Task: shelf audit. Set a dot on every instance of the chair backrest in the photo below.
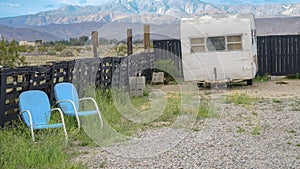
(38, 104)
(66, 91)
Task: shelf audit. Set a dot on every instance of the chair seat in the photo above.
(81, 113)
(42, 126)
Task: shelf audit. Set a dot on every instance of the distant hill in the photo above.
(27, 34)
(113, 18)
(278, 26)
(66, 31)
(117, 30)
(147, 11)
(264, 26)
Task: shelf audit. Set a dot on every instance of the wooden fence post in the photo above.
(147, 37)
(95, 43)
(129, 42)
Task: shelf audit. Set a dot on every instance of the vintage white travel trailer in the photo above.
(219, 48)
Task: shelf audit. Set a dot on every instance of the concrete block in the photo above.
(158, 77)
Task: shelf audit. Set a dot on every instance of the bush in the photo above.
(30, 49)
(9, 54)
(263, 78)
(42, 49)
(51, 52)
(68, 52)
(59, 47)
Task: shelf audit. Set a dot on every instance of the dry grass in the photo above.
(86, 52)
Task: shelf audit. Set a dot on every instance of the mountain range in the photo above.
(74, 21)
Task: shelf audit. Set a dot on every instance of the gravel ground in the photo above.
(263, 135)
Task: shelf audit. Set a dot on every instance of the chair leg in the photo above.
(66, 134)
(64, 126)
(32, 133)
(98, 111)
(78, 122)
(63, 123)
(100, 118)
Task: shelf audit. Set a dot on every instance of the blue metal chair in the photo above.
(67, 98)
(36, 112)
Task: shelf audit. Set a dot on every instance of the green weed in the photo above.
(291, 131)
(240, 129)
(123, 123)
(263, 78)
(277, 101)
(103, 164)
(295, 105)
(240, 99)
(19, 151)
(207, 110)
(256, 130)
(254, 113)
(295, 76)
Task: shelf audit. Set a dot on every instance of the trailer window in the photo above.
(234, 43)
(215, 43)
(197, 45)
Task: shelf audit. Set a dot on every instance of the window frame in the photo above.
(234, 42)
(194, 45)
(205, 48)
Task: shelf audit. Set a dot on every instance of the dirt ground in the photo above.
(279, 88)
(273, 89)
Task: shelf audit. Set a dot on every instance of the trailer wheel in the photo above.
(249, 82)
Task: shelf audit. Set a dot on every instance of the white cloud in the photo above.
(9, 4)
(63, 1)
(82, 2)
(96, 2)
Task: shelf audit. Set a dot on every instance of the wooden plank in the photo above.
(297, 52)
(129, 42)
(95, 43)
(11, 106)
(289, 57)
(13, 95)
(271, 49)
(11, 117)
(147, 37)
(263, 55)
(2, 98)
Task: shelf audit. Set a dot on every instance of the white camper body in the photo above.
(219, 48)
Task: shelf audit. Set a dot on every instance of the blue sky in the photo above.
(10, 8)
(23, 7)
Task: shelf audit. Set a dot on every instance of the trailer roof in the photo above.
(220, 16)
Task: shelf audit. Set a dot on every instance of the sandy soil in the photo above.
(279, 88)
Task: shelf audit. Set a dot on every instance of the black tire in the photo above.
(249, 82)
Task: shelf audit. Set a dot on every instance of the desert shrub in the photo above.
(51, 52)
(59, 47)
(9, 54)
(68, 52)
